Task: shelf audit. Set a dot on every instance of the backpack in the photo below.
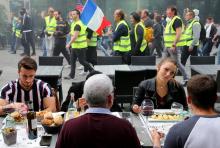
(202, 33)
(149, 34)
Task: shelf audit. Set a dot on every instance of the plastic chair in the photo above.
(201, 60)
(126, 80)
(143, 60)
(112, 60)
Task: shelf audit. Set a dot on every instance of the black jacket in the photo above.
(147, 89)
(77, 89)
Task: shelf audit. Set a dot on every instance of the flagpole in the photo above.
(138, 5)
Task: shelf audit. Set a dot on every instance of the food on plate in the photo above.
(48, 115)
(40, 115)
(166, 117)
(17, 116)
(46, 121)
(58, 120)
(49, 120)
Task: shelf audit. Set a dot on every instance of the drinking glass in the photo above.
(177, 108)
(147, 107)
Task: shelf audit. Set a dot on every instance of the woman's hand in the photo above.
(136, 108)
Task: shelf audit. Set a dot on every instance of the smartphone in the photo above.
(45, 140)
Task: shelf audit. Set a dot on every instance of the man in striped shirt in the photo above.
(26, 88)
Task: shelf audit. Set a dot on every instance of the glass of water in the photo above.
(177, 108)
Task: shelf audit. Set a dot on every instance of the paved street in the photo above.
(8, 63)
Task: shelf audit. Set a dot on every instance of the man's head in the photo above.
(144, 14)
(119, 15)
(57, 15)
(27, 68)
(51, 11)
(75, 14)
(209, 20)
(171, 11)
(23, 11)
(98, 91)
(189, 15)
(202, 92)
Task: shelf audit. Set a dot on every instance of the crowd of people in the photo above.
(98, 127)
(176, 37)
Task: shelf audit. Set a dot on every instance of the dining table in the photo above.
(141, 123)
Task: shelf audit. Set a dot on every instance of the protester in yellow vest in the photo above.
(191, 35)
(174, 40)
(16, 29)
(121, 37)
(138, 43)
(77, 44)
(91, 53)
(50, 28)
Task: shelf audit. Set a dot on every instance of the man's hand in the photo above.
(190, 49)
(81, 102)
(67, 46)
(173, 49)
(156, 136)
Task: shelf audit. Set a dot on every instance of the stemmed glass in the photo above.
(147, 107)
(177, 108)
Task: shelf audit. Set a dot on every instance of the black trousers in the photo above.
(81, 55)
(60, 47)
(185, 54)
(91, 56)
(26, 40)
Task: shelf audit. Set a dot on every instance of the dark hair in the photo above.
(59, 12)
(203, 91)
(23, 11)
(27, 63)
(92, 73)
(173, 9)
(136, 16)
(77, 11)
(210, 18)
(146, 12)
(158, 18)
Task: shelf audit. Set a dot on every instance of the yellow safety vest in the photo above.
(18, 33)
(170, 34)
(124, 43)
(144, 42)
(81, 41)
(51, 24)
(14, 22)
(188, 34)
(93, 41)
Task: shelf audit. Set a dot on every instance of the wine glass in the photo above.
(177, 108)
(147, 107)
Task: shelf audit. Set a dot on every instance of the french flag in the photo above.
(93, 17)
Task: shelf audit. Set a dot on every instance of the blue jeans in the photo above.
(43, 47)
(218, 55)
(13, 42)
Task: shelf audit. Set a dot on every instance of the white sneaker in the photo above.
(83, 73)
(80, 68)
